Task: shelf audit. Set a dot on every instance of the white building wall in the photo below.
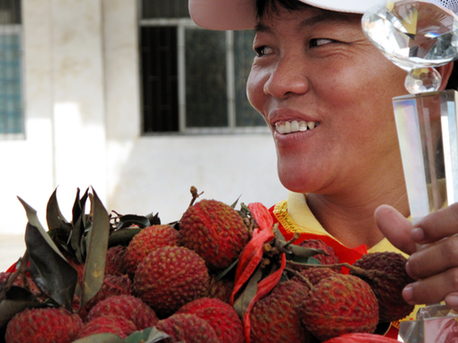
(83, 126)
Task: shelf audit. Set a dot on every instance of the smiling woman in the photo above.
(325, 91)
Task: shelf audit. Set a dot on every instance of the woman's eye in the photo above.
(262, 50)
(320, 42)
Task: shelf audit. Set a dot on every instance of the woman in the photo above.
(326, 93)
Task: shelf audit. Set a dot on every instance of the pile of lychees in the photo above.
(129, 278)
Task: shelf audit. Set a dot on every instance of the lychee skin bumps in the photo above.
(340, 304)
(215, 231)
(187, 328)
(170, 277)
(279, 315)
(127, 306)
(148, 239)
(221, 316)
(388, 284)
(117, 325)
(44, 325)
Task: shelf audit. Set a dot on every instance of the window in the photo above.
(193, 80)
(11, 119)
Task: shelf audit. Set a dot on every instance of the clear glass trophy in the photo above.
(418, 36)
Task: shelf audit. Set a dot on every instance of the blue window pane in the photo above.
(10, 84)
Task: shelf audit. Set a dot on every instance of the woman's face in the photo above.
(326, 93)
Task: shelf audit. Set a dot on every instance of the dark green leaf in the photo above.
(76, 237)
(248, 293)
(8, 308)
(77, 210)
(236, 201)
(149, 335)
(305, 252)
(123, 236)
(132, 219)
(33, 220)
(101, 338)
(49, 269)
(280, 236)
(227, 270)
(97, 245)
(153, 219)
(313, 260)
(54, 216)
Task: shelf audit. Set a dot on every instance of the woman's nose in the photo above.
(288, 77)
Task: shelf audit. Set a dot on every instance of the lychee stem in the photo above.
(369, 273)
(195, 195)
(295, 272)
(23, 261)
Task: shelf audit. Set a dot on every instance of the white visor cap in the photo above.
(241, 14)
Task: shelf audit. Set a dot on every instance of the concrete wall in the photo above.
(82, 116)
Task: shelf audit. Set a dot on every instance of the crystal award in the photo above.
(418, 36)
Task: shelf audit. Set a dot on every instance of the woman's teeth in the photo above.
(294, 126)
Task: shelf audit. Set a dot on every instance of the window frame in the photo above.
(182, 24)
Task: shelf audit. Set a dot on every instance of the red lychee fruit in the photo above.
(313, 275)
(187, 328)
(114, 264)
(385, 272)
(221, 316)
(44, 325)
(340, 304)
(117, 325)
(279, 315)
(128, 306)
(112, 285)
(329, 258)
(170, 277)
(147, 240)
(215, 231)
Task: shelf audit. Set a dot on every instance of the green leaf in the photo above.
(49, 269)
(79, 225)
(97, 245)
(305, 252)
(54, 217)
(132, 219)
(248, 293)
(33, 220)
(8, 308)
(236, 201)
(149, 335)
(227, 270)
(153, 219)
(123, 236)
(101, 338)
(313, 260)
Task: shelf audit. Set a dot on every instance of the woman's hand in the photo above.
(435, 264)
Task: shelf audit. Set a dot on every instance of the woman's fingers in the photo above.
(434, 289)
(396, 228)
(434, 258)
(437, 225)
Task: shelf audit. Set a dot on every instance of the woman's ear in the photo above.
(445, 71)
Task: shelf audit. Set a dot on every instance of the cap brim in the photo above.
(241, 14)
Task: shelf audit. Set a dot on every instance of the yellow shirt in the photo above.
(295, 216)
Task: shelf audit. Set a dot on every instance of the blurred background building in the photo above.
(131, 98)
